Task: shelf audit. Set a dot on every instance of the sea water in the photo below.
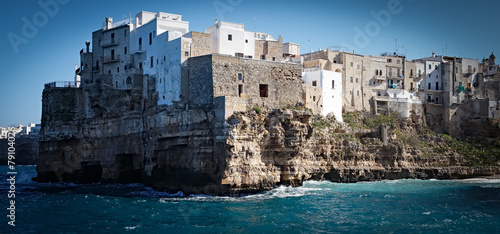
(401, 206)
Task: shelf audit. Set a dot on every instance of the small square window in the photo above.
(186, 53)
(274, 58)
(263, 57)
(314, 83)
(246, 40)
(229, 37)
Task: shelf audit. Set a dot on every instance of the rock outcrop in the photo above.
(192, 150)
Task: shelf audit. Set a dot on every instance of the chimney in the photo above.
(109, 21)
(433, 54)
(87, 43)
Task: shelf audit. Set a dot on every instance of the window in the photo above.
(262, 57)
(140, 66)
(263, 90)
(314, 83)
(125, 50)
(333, 84)
(437, 76)
(240, 77)
(150, 38)
(351, 79)
(239, 55)
(156, 61)
(435, 66)
(430, 66)
(164, 58)
(419, 72)
(186, 53)
(240, 90)
(437, 100)
(399, 61)
(314, 98)
(229, 37)
(246, 40)
(116, 84)
(474, 70)
(112, 54)
(351, 64)
(160, 80)
(125, 32)
(356, 80)
(117, 69)
(389, 60)
(357, 92)
(163, 97)
(437, 85)
(429, 86)
(140, 43)
(125, 68)
(274, 58)
(112, 38)
(429, 98)
(109, 72)
(399, 72)
(152, 61)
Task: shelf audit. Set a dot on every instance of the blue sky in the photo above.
(457, 27)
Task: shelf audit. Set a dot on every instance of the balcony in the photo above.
(435, 90)
(378, 78)
(110, 59)
(109, 43)
(61, 84)
(139, 51)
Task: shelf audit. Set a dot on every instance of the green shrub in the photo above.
(257, 109)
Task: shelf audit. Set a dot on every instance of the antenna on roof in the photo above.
(396, 46)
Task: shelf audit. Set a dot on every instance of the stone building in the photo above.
(229, 84)
(356, 77)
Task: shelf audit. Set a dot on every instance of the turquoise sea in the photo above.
(400, 206)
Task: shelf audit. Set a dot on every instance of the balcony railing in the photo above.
(378, 77)
(109, 43)
(61, 84)
(110, 59)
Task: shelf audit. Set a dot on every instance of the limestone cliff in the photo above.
(192, 150)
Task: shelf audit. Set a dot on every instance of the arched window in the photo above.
(129, 80)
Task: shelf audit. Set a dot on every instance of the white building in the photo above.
(232, 39)
(331, 83)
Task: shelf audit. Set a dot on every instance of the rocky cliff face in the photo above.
(284, 147)
(180, 149)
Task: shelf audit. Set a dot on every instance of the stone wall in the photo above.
(266, 84)
(269, 49)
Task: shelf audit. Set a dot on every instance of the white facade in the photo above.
(331, 83)
(232, 39)
(291, 48)
(150, 46)
(433, 77)
(420, 74)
